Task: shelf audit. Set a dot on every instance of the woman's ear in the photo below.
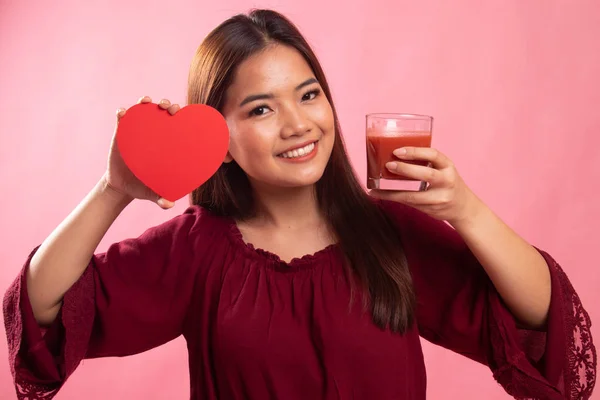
(228, 158)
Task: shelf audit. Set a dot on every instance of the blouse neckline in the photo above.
(306, 261)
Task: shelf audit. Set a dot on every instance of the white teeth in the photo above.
(299, 152)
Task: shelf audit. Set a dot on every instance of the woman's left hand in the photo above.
(447, 197)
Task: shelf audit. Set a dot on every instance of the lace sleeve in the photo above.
(567, 367)
(39, 360)
(581, 353)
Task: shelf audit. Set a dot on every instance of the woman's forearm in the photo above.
(519, 272)
(64, 255)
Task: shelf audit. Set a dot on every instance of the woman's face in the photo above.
(280, 121)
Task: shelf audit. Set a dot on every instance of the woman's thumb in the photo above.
(164, 203)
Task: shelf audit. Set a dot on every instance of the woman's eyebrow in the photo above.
(263, 96)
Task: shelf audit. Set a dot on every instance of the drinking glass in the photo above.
(386, 132)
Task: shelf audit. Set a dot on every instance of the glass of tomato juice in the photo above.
(386, 132)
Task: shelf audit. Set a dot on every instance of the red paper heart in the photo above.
(172, 154)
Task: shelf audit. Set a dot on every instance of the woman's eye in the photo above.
(259, 110)
(310, 95)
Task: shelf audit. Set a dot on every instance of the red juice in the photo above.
(380, 151)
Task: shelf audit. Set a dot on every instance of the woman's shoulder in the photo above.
(200, 213)
(195, 221)
(204, 221)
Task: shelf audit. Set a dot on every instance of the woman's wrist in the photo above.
(105, 191)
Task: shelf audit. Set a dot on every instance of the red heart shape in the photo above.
(172, 154)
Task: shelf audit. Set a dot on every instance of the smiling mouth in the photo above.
(299, 152)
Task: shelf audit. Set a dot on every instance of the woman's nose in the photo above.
(294, 122)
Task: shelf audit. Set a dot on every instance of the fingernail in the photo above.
(399, 152)
(161, 202)
(391, 166)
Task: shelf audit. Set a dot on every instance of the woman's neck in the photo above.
(287, 207)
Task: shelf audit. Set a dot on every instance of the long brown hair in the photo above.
(365, 234)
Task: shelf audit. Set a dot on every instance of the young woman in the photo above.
(286, 279)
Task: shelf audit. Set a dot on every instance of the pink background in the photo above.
(514, 87)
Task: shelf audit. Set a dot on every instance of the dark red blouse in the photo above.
(260, 328)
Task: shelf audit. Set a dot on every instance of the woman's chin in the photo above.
(298, 182)
(307, 180)
(297, 179)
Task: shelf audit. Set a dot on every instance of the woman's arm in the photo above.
(518, 271)
(65, 254)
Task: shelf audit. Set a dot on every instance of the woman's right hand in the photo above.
(119, 179)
